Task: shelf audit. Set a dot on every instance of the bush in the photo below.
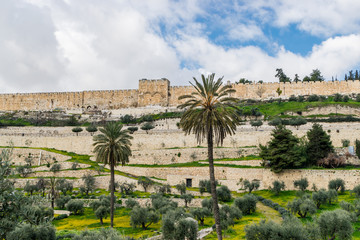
(131, 203)
(292, 98)
(27, 231)
(356, 191)
(277, 187)
(332, 161)
(345, 142)
(61, 216)
(64, 186)
(301, 98)
(228, 214)
(275, 122)
(62, 201)
(223, 193)
(207, 203)
(205, 186)
(55, 167)
(302, 184)
(313, 98)
(337, 184)
(346, 98)
(75, 206)
(246, 204)
(338, 97)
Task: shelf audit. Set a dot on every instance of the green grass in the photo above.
(275, 109)
(189, 164)
(89, 221)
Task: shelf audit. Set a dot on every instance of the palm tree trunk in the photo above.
(212, 182)
(112, 198)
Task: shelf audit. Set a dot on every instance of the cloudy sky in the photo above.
(71, 45)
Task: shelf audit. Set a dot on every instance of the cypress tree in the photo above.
(283, 151)
(319, 145)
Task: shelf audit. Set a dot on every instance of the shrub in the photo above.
(346, 98)
(313, 98)
(338, 97)
(223, 193)
(55, 167)
(62, 201)
(292, 98)
(275, 122)
(131, 203)
(356, 191)
(337, 184)
(75, 206)
(207, 203)
(277, 187)
(345, 142)
(332, 161)
(246, 204)
(162, 189)
(24, 170)
(228, 214)
(301, 98)
(332, 196)
(297, 122)
(64, 186)
(30, 188)
(205, 186)
(302, 184)
(89, 184)
(61, 216)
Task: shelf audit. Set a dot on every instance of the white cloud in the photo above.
(334, 56)
(89, 44)
(323, 18)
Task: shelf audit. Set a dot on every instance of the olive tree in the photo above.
(144, 217)
(277, 187)
(337, 184)
(302, 206)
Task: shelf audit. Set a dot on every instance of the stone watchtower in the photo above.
(153, 92)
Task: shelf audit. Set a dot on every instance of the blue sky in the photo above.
(64, 45)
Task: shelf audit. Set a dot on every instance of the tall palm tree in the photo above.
(210, 113)
(112, 147)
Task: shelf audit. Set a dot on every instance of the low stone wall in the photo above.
(231, 176)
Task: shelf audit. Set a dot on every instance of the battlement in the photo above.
(158, 92)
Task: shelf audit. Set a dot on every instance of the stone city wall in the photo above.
(160, 93)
